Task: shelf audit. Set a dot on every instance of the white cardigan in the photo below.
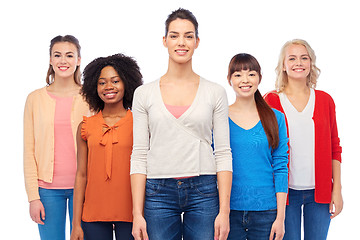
(166, 147)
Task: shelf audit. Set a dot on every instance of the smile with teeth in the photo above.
(110, 94)
(299, 69)
(63, 68)
(181, 51)
(245, 87)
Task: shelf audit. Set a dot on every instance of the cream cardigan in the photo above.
(166, 147)
(39, 137)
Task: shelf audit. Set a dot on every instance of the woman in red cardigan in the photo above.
(315, 152)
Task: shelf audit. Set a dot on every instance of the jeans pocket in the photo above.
(152, 188)
(208, 189)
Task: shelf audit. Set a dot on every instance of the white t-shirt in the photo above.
(302, 143)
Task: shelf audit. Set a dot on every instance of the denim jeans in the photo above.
(176, 208)
(316, 216)
(104, 230)
(251, 225)
(55, 202)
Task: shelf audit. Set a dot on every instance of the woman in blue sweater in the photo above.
(258, 142)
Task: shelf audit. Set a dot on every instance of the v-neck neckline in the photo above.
(248, 130)
(292, 107)
(188, 111)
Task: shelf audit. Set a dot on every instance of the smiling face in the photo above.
(110, 87)
(245, 83)
(297, 62)
(64, 59)
(181, 41)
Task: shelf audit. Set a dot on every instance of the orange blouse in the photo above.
(108, 193)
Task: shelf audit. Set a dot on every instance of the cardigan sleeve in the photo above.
(222, 151)
(30, 166)
(335, 140)
(141, 134)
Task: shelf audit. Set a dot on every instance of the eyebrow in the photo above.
(65, 53)
(110, 78)
(189, 32)
(300, 55)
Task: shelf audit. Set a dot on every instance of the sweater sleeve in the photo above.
(30, 166)
(222, 151)
(141, 134)
(335, 140)
(280, 157)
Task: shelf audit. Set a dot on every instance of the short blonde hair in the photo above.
(281, 75)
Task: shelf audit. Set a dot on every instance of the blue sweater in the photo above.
(259, 172)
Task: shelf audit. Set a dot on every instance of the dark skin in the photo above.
(111, 90)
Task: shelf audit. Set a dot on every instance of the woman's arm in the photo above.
(80, 185)
(138, 169)
(36, 208)
(138, 183)
(223, 159)
(30, 169)
(222, 224)
(278, 227)
(280, 160)
(336, 196)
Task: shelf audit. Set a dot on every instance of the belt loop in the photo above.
(162, 182)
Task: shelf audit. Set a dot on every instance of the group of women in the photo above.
(170, 159)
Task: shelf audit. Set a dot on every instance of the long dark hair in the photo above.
(244, 61)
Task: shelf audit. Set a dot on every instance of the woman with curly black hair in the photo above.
(102, 197)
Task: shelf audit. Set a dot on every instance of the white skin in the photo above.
(64, 59)
(111, 90)
(297, 64)
(244, 113)
(178, 87)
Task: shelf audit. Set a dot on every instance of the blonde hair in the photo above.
(281, 75)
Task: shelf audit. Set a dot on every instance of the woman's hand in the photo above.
(222, 226)
(336, 202)
(139, 228)
(277, 230)
(37, 211)
(77, 233)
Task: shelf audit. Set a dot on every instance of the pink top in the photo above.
(176, 111)
(64, 150)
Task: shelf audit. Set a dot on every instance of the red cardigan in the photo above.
(327, 142)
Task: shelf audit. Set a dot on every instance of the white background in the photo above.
(135, 28)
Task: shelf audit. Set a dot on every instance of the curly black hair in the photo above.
(128, 71)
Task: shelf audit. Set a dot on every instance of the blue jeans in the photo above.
(316, 216)
(252, 225)
(176, 208)
(55, 202)
(104, 230)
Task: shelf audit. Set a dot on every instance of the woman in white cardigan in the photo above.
(174, 170)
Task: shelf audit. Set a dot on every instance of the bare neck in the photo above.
(179, 72)
(244, 105)
(64, 87)
(297, 88)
